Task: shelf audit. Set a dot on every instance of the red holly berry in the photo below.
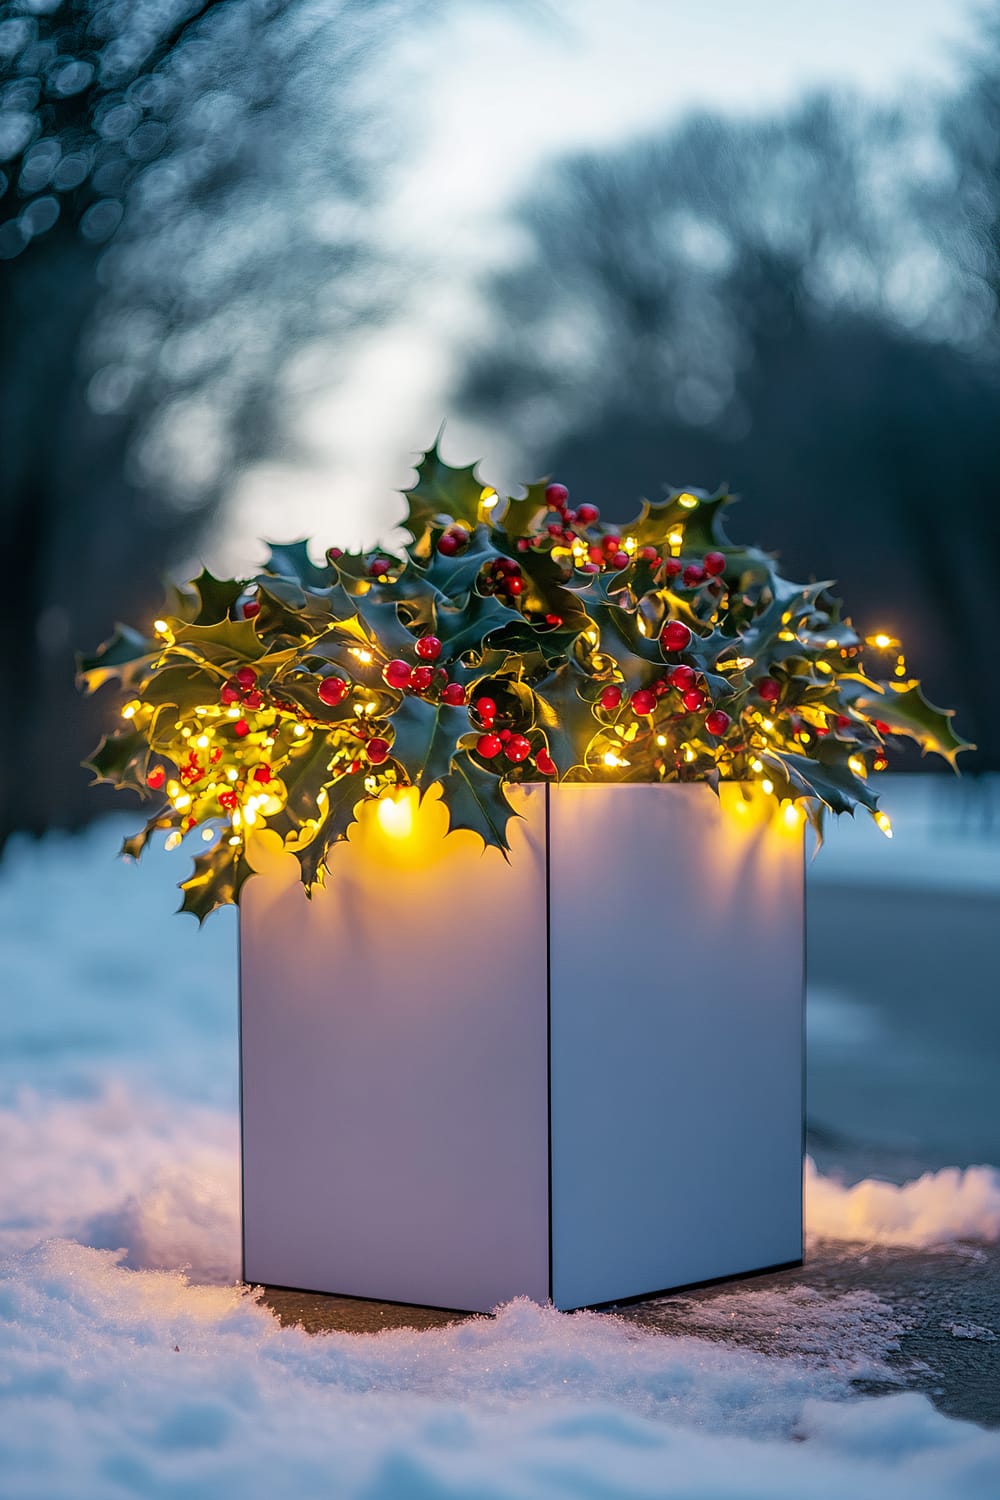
(610, 699)
(377, 751)
(643, 701)
(682, 676)
(595, 553)
(610, 544)
(517, 748)
(590, 567)
(672, 566)
(156, 778)
(230, 692)
(486, 709)
(421, 679)
(396, 673)
(587, 515)
(448, 544)
(228, 800)
(250, 609)
(693, 575)
(650, 555)
(569, 516)
(241, 729)
(253, 699)
(332, 690)
(544, 762)
(714, 564)
(620, 560)
(675, 636)
(515, 586)
(505, 735)
(554, 620)
(555, 529)
(523, 544)
(379, 568)
(717, 722)
(844, 722)
(215, 754)
(262, 774)
(246, 677)
(660, 686)
(488, 745)
(693, 699)
(453, 693)
(556, 495)
(882, 727)
(768, 689)
(507, 565)
(334, 554)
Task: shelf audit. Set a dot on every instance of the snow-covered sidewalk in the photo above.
(122, 1373)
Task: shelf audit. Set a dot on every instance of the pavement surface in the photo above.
(903, 1063)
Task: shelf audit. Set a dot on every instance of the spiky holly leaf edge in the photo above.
(563, 657)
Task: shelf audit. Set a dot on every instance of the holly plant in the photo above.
(513, 639)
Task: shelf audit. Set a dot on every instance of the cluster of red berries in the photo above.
(452, 540)
(516, 747)
(400, 675)
(242, 688)
(503, 576)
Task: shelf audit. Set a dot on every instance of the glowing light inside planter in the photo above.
(395, 815)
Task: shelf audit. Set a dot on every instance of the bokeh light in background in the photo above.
(498, 93)
(253, 253)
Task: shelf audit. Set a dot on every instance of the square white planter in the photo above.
(576, 1076)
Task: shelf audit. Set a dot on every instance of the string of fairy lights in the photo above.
(321, 694)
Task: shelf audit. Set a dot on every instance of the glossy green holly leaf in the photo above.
(186, 687)
(523, 513)
(441, 491)
(339, 810)
(292, 560)
(387, 632)
(907, 711)
(133, 846)
(306, 776)
(476, 801)
(468, 626)
(829, 778)
(226, 642)
(216, 597)
(123, 658)
(218, 878)
(120, 760)
(454, 577)
(564, 710)
(638, 659)
(425, 737)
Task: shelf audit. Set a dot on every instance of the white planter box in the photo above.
(575, 1076)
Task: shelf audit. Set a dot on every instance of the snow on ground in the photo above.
(122, 1375)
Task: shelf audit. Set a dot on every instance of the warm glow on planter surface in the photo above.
(515, 639)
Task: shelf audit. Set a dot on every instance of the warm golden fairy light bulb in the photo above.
(661, 739)
(363, 656)
(173, 839)
(611, 759)
(791, 814)
(676, 538)
(882, 641)
(688, 501)
(161, 627)
(131, 709)
(768, 786)
(884, 823)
